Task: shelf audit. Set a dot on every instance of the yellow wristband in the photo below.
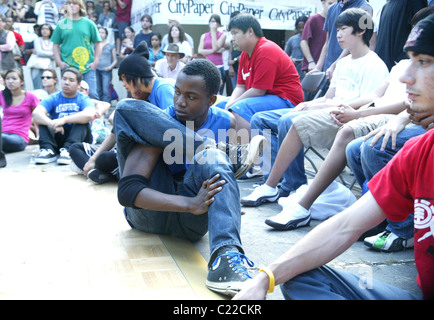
(271, 277)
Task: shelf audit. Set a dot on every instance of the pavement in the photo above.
(262, 244)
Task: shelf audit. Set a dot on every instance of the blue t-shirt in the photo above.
(162, 93)
(215, 127)
(59, 106)
(334, 49)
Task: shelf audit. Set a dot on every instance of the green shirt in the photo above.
(76, 39)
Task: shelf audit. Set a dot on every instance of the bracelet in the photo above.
(271, 277)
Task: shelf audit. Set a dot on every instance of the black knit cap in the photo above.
(421, 38)
(137, 64)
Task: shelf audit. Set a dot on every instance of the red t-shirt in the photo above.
(124, 15)
(270, 68)
(406, 185)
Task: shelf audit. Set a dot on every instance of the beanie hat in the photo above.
(137, 64)
(421, 38)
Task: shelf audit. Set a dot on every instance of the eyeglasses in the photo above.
(46, 77)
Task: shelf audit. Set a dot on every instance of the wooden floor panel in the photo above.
(62, 237)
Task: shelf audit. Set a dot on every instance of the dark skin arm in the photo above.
(142, 160)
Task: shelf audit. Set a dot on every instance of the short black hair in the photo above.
(360, 20)
(208, 71)
(244, 21)
(75, 71)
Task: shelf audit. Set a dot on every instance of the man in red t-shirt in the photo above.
(267, 77)
(404, 186)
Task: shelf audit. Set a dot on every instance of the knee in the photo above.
(345, 135)
(285, 122)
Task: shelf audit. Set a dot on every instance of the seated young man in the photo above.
(267, 77)
(404, 186)
(356, 77)
(64, 119)
(168, 186)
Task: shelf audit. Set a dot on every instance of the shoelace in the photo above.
(236, 259)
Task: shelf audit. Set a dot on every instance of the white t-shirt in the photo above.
(354, 78)
(396, 90)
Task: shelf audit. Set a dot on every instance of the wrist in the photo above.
(271, 280)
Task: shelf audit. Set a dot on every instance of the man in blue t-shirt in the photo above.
(175, 179)
(63, 118)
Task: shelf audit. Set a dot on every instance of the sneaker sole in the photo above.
(226, 289)
(63, 161)
(393, 248)
(291, 225)
(45, 161)
(259, 201)
(256, 147)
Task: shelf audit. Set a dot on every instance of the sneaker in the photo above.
(75, 168)
(291, 217)
(260, 195)
(64, 157)
(3, 162)
(229, 273)
(100, 177)
(255, 171)
(45, 156)
(244, 156)
(387, 241)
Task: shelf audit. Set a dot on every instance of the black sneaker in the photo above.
(229, 273)
(100, 177)
(244, 156)
(45, 156)
(2, 158)
(64, 157)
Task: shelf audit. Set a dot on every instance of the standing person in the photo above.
(404, 186)
(63, 119)
(107, 62)
(107, 17)
(177, 36)
(123, 19)
(77, 44)
(47, 12)
(18, 106)
(7, 43)
(44, 57)
(293, 48)
(212, 43)
(155, 52)
(181, 199)
(314, 37)
(146, 33)
(267, 78)
(20, 44)
(172, 64)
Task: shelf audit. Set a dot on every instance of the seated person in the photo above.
(403, 186)
(267, 77)
(356, 76)
(171, 65)
(170, 187)
(64, 119)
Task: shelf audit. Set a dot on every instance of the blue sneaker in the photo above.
(229, 273)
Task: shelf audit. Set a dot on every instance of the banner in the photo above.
(270, 16)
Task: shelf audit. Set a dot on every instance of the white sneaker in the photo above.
(260, 195)
(387, 241)
(64, 157)
(75, 168)
(291, 217)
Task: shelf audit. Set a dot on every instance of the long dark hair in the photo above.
(181, 33)
(7, 94)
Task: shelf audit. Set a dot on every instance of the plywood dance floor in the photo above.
(62, 237)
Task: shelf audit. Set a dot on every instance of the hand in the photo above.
(255, 289)
(424, 119)
(205, 196)
(57, 126)
(89, 165)
(301, 107)
(343, 114)
(92, 65)
(62, 65)
(388, 131)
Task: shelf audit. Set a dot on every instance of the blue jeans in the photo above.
(90, 78)
(247, 107)
(103, 80)
(279, 122)
(326, 283)
(222, 221)
(13, 142)
(365, 161)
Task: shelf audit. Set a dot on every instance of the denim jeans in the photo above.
(73, 133)
(103, 80)
(365, 161)
(13, 142)
(279, 122)
(326, 283)
(90, 78)
(137, 121)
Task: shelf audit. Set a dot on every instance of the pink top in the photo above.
(17, 119)
(216, 58)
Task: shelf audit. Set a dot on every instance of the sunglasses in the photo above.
(46, 77)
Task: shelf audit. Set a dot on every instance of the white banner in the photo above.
(270, 16)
